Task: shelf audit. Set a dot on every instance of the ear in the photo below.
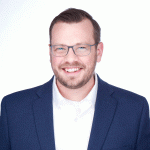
(99, 51)
(49, 49)
(50, 52)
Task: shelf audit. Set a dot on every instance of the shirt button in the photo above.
(76, 119)
(78, 111)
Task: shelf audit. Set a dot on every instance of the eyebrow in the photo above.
(70, 45)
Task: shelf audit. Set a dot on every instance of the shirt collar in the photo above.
(89, 100)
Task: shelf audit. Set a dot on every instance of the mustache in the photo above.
(73, 64)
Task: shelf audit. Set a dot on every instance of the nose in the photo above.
(71, 57)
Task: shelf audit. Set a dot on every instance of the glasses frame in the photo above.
(72, 49)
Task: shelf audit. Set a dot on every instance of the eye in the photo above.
(81, 47)
(60, 49)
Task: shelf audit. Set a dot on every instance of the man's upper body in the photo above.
(120, 121)
(58, 113)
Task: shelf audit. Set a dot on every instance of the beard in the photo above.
(74, 82)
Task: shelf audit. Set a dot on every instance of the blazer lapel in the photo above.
(105, 108)
(43, 113)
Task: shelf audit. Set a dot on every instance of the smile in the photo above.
(72, 69)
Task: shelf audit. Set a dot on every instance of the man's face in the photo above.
(74, 71)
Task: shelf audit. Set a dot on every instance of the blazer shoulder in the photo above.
(123, 95)
(27, 94)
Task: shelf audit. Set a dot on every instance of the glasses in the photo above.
(79, 50)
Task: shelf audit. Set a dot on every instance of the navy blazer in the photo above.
(121, 120)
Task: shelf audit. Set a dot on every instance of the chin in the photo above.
(76, 84)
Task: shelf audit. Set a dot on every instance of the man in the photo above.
(75, 110)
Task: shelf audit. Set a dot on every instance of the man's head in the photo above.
(76, 28)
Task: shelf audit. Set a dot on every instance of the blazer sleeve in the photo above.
(4, 132)
(143, 141)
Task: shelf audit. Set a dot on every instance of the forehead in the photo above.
(67, 33)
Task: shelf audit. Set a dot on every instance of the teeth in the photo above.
(72, 70)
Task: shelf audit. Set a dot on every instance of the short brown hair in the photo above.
(76, 15)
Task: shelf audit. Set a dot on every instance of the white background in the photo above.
(24, 39)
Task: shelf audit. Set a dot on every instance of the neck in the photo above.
(76, 94)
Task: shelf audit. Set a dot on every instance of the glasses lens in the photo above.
(82, 50)
(59, 50)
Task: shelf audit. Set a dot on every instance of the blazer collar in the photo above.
(105, 108)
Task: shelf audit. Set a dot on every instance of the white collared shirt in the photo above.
(73, 120)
